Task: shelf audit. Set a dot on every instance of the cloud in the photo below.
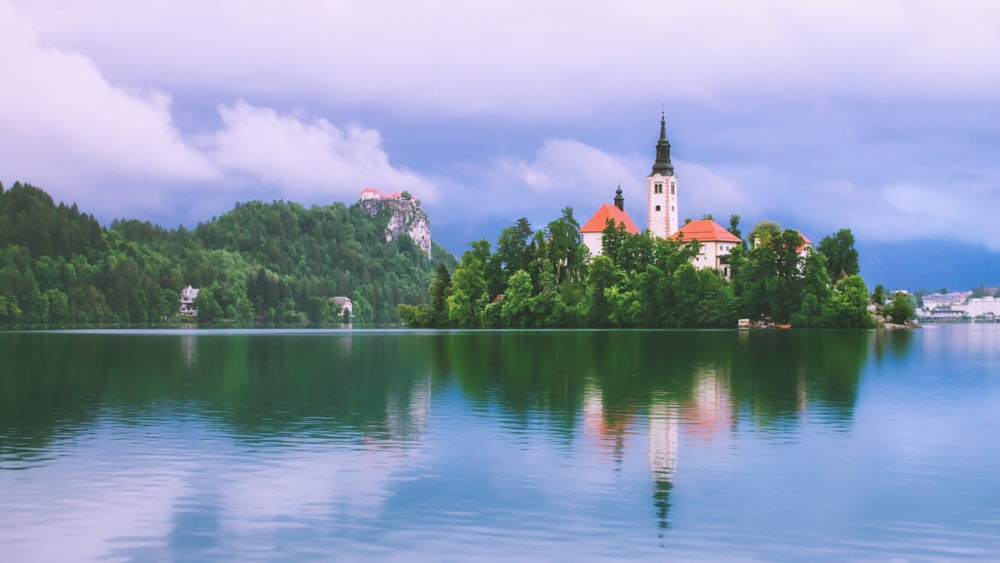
(826, 114)
(306, 159)
(558, 173)
(521, 59)
(908, 211)
(118, 151)
(58, 116)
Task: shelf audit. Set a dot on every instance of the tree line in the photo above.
(545, 278)
(276, 264)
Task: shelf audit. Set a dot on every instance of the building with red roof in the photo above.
(716, 244)
(592, 231)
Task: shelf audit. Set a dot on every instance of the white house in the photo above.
(592, 231)
(188, 295)
(346, 307)
(716, 244)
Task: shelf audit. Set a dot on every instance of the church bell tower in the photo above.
(662, 189)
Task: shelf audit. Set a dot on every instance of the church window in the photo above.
(657, 188)
(673, 188)
(657, 207)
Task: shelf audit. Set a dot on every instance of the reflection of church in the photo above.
(702, 419)
(662, 452)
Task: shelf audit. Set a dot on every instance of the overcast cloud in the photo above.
(881, 117)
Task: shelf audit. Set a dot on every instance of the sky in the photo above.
(881, 117)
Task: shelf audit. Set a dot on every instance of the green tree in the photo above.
(841, 256)
(601, 277)
(468, 292)
(515, 309)
(878, 296)
(901, 310)
(513, 250)
(734, 229)
(849, 305)
(717, 306)
(440, 290)
(771, 279)
(566, 247)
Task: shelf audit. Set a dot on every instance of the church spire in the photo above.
(619, 200)
(662, 164)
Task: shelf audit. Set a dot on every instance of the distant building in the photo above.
(373, 193)
(936, 300)
(806, 248)
(188, 295)
(592, 230)
(346, 307)
(716, 244)
(980, 307)
(944, 314)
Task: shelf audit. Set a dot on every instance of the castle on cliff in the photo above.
(406, 217)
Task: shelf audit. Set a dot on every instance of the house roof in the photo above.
(805, 242)
(705, 230)
(599, 221)
(369, 191)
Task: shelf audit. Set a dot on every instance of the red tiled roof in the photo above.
(600, 220)
(705, 230)
(805, 242)
(369, 191)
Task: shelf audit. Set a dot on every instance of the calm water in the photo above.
(293, 445)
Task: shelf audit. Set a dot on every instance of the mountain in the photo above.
(929, 264)
(275, 263)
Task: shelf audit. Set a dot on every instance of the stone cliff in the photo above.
(405, 217)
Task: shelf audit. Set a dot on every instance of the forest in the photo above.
(545, 279)
(260, 264)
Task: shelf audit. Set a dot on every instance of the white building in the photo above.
(980, 307)
(346, 307)
(188, 295)
(592, 231)
(716, 244)
(662, 190)
(935, 300)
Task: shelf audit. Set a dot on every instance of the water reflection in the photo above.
(662, 453)
(349, 434)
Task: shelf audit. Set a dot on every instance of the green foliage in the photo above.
(841, 256)
(771, 280)
(878, 295)
(637, 281)
(849, 305)
(901, 310)
(261, 263)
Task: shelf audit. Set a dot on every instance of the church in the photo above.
(662, 214)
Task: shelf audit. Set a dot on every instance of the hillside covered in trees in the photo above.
(544, 278)
(275, 264)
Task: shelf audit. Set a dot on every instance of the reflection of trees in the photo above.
(898, 342)
(777, 373)
(376, 385)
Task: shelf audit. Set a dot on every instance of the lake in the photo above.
(534, 445)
